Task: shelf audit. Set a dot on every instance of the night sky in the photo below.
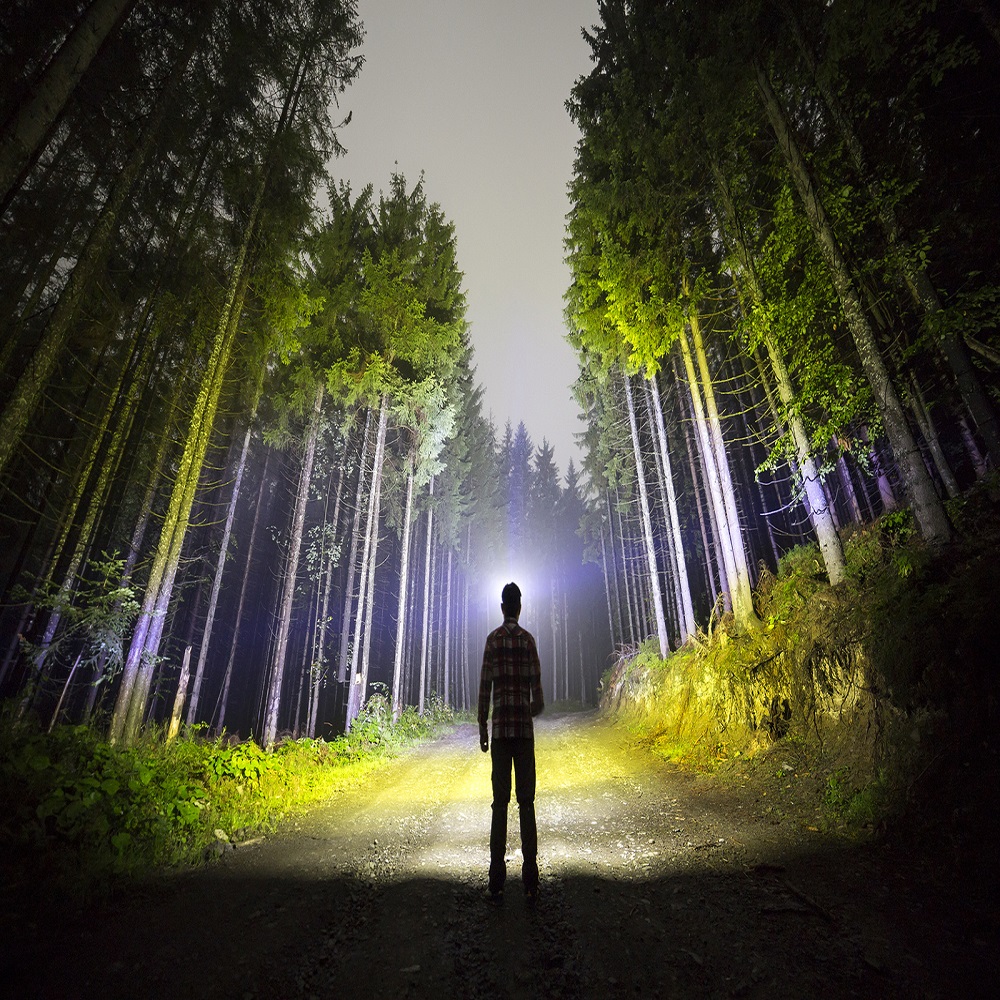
(473, 94)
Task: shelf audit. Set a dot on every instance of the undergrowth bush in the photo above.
(869, 679)
(79, 804)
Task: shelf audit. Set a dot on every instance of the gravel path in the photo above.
(654, 883)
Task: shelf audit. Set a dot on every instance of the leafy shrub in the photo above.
(855, 808)
(80, 801)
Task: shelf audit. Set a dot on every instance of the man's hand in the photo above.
(484, 739)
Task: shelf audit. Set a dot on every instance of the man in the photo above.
(512, 673)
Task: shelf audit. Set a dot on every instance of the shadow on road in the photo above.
(847, 922)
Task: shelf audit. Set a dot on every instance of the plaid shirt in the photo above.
(512, 671)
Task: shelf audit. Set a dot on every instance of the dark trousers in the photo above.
(521, 754)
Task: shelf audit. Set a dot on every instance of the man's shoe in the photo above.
(495, 895)
(531, 893)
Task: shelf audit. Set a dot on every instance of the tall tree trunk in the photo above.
(223, 700)
(607, 588)
(28, 391)
(433, 639)
(742, 594)
(923, 294)
(62, 696)
(39, 277)
(277, 673)
(631, 615)
(447, 629)
(971, 447)
(671, 607)
(654, 573)
(24, 132)
(615, 575)
(927, 508)
(366, 593)
(182, 684)
(686, 608)
(220, 565)
(139, 664)
(553, 631)
(373, 559)
(712, 476)
(319, 659)
(427, 599)
(819, 509)
(84, 487)
(404, 584)
(466, 666)
(352, 559)
(925, 422)
(412, 643)
(717, 584)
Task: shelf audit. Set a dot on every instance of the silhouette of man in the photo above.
(512, 674)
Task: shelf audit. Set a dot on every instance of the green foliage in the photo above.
(94, 618)
(853, 807)
(374, 731)
(118, 807)
(890, 543)
(969, 313)
(85, 804)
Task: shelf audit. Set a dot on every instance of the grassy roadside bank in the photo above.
(77, 811)
(866, 708)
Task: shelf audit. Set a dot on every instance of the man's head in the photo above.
(510, 600)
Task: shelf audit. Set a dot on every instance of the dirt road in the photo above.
(655, 883)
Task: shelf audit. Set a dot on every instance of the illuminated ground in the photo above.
(654, 884)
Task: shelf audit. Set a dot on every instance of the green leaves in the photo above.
(95, 617)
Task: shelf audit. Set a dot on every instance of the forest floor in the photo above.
(656, 882)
